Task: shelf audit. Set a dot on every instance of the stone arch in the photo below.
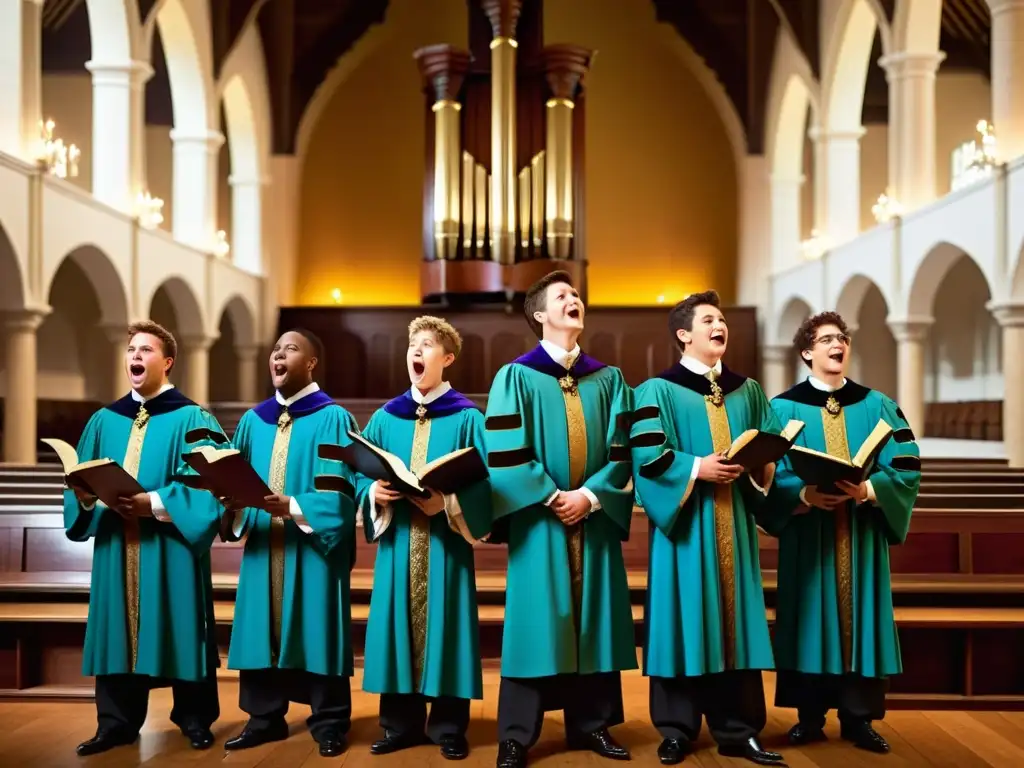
(243, 320)
(794, 311)
(931, 273)
(851, 297)
(860, 21)
(187, 320)
(792, 93)
(113, 30)
(246, 177)
(12, 288)
(104, 279)
(233, 355)
(184, 31)
(916, 26)
(1017, 281)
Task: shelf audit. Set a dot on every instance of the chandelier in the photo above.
(974, 160)
(887, 207)
(58, 158)
(149, 210)
(815, 246)
(221, 248)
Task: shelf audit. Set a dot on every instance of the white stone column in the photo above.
(755, 220)
(785, 207)
(117, 337)
(911, 335)
(777, 362)
(195, 187)
(911, 78)
(20, 439)
(1008, 76)
(194, 352)
(837, 183)
(1011, 319)
(21, 80)
(118, 135)
(245, 358)
(246, 235)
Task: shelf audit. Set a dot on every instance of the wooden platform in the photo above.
(44, 735)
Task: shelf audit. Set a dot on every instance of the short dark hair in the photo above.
(808, 330)
(680, 318)
(537, 297)
(168, 344)
(312, 338)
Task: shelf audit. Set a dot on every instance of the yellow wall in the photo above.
(661, 187)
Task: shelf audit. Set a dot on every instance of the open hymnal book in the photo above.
(822, 470)
(446, 474)
(224, 472)
(754, 448)
(103, 478)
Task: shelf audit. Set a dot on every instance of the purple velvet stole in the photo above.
(404, 407)
(270, 410)
(541, 361)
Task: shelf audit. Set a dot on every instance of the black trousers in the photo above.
(732, 702)
(406, 713)
(123, 700)
(589, 702)
(858, 699)
(264, 694)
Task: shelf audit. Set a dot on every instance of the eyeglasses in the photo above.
(827, 339)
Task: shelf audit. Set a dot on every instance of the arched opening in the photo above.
(787, 184)
(863, 306)
(175, 307)
(12, 298)
(77, 347)
(233, 356)
(795, 312)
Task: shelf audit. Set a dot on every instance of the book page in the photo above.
(822, 454)
(397, 465)
(425, 470)
(792, 429)
(212, 454)
(65, 452)
(877, 438)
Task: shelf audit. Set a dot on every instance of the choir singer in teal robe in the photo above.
(563, 501)
(150, 621)
(835, 636)
(290, 637)
(707, 632)
(422, 640)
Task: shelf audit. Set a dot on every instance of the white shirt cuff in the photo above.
(803, 498)
(594, 503)
(456, 520)
(768, 484)
(295, 513)
(696, 469)
(872, 499)
(158, 508)
(238, 522)
(551, 498)
(380, 517)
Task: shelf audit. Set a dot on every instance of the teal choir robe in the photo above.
(567, 607)
(705, 609)
(835, 612)
(293, 608)
(423, 632)
(151, 597)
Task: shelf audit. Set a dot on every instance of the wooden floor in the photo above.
(44, 735)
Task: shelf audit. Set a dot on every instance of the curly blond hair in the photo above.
(443, 331)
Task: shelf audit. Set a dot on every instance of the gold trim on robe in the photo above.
(278, 470)
(132, 459)
(721, 439)
(836, 444)
(576, 430)
(419, 555)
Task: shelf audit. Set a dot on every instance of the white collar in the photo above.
(696, 366)
(559, 355)
(139, 398)
(309, 389)
(819, 384)
(432, 395)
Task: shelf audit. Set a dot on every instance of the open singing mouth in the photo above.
(838, 356)
(574, 313)
(137, 369)
(280, 369)
(418, 367)
(718, 336)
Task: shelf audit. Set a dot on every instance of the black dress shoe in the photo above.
(753, 751)
(104, 740)
(331, 742)
(254, 737)
(601, 742)
(806, 734)
(454, 747)
(865, 737)
(511, 754)
(672, 751)
(199, 736)
(393, 742)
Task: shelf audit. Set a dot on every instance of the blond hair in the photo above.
(443, 331)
